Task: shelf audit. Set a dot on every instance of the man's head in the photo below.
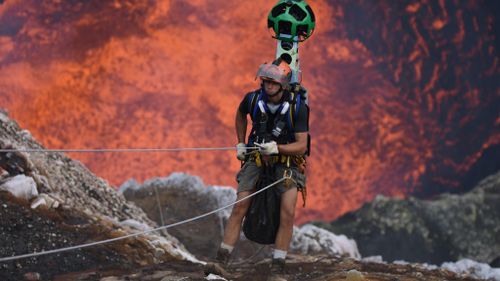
(275, 76)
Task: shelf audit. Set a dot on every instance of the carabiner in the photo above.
(288, 174)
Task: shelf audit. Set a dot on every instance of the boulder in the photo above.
(447, 228)
(179, 197)
(310, 240)
(182, 196)
(20, 186)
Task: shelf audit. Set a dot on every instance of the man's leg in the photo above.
(287, 215)
(285, 231)
(233, 227)
(231, 235)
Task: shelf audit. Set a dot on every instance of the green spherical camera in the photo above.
(291, 20)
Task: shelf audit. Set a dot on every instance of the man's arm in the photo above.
(241, 126)
(299, 147)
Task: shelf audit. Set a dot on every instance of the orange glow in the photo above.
(150, 74)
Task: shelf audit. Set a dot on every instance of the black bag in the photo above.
(262, 219)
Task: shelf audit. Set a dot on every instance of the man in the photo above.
(280, 143)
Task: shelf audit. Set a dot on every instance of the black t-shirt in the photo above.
(302, 116)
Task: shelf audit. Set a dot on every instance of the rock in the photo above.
(20, 186)
(39, 201)
(111, 278)
(32, 276)
(178, 193)
(3, 174)
(310, 239)
(182, 197)
(299, 267)
(4, 116)
(472, 268)
(354, 275)
(428, 231)
(215, 277)
(91, 211)
(45, 200)
(14, 163)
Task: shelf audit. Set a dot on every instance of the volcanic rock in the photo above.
(450, 227)
(90, 210)
(78, 208)
(20, 186)
(182, 196)
(309, 239)
(299, 268)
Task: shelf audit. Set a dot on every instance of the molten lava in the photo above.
(404, 99)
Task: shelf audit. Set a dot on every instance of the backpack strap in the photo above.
(295, 102)
(296, 107)
(253, 101)
(256, 97)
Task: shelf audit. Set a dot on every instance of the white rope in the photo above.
(125, 149)
(158, 202)
(288, 176)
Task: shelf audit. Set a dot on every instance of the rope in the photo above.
(158, 202)
(285, 177)
(121, 150)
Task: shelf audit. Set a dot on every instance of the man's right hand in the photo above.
(241, 151)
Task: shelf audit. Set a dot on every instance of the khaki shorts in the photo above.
(249, 174)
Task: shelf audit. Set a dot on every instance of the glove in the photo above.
(241, 151)
(268, 148)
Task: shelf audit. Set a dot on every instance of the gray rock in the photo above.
(20, 186)
(450, 227)
(182, 197)
(311, 240)
(79, 208)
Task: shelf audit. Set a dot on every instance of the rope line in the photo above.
(159, 204)
(125, 149)
(285, 177)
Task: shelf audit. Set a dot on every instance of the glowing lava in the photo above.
(404, 98)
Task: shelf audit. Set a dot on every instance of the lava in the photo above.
(404, 98)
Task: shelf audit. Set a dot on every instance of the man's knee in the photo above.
(287, 216)
(240, 208)
(287, 212)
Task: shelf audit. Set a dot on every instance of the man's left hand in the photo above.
(268, 148)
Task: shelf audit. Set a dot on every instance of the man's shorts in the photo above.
(249, 174)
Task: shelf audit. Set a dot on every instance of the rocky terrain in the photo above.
(300, 268)
(447, 228)
(181, 196)
(49, 201)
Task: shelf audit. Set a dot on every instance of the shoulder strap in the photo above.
(295, 102)
(252, 101)
(296, 107)
(256, 96)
